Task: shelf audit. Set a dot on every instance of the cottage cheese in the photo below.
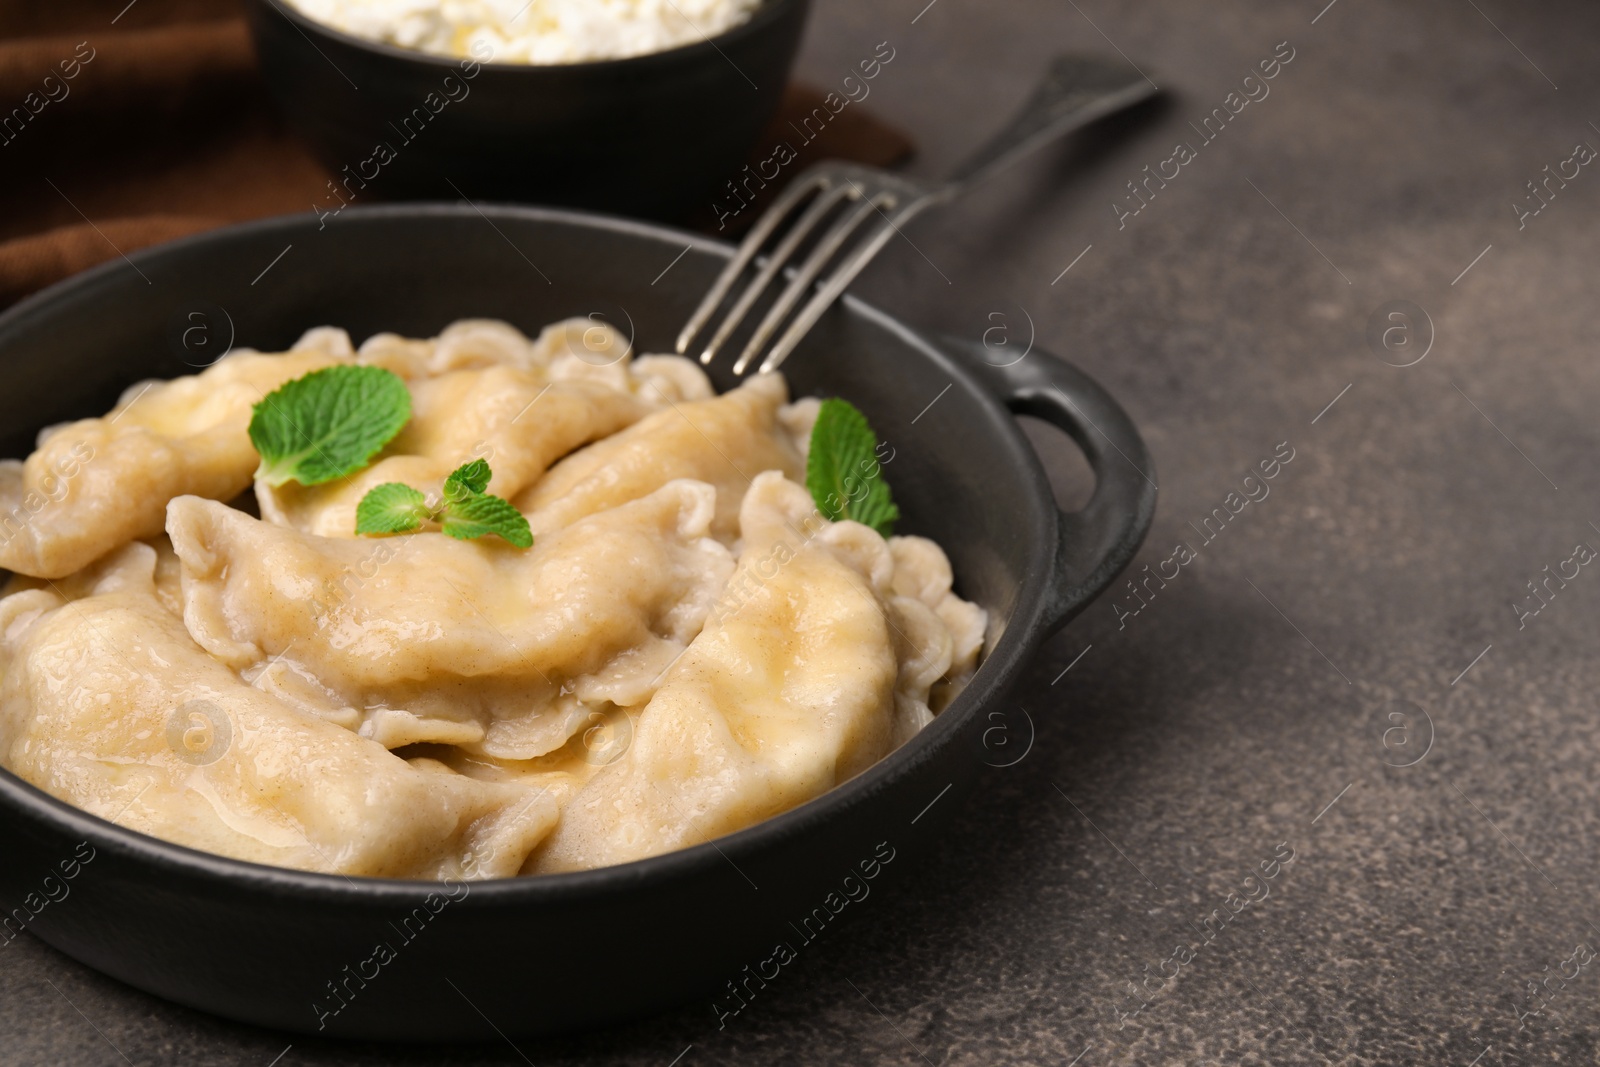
(532, 31)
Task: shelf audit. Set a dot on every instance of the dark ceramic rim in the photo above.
(1020, 633)
(767, 12)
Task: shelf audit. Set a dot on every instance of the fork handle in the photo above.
(1076, 90)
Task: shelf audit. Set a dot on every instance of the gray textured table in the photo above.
(1352, 669)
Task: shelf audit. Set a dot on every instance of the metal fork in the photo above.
(1076, 91)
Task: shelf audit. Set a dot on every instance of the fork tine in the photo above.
(779, 259)
(826, 294)
(752, 243)
(827, 247)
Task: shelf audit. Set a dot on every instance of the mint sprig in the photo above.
(843, 472)
(327, 424)
(467, 512)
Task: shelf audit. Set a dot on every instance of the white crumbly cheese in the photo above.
(533, 31)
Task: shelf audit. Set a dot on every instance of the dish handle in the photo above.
(1096, 543)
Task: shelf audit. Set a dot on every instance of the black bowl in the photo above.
(285, 948)
(653, 135)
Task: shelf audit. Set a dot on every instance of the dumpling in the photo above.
(671, 379)
(689, 646)
(95, 484)
(726, 442)
(935, 633)
(922, 574)
(479, 644)
(466, 344)
(476, 343)
(787, 692)
(515, 419)
(109, 705)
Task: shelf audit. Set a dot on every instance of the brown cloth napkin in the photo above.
(125, 124)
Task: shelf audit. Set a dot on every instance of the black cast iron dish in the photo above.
(267, 945)
(654, 135)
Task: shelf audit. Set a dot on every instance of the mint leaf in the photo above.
(392, 508)
(843, 472)
(327, 424)
(482, 514)
(467, 480)
(467, 511)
